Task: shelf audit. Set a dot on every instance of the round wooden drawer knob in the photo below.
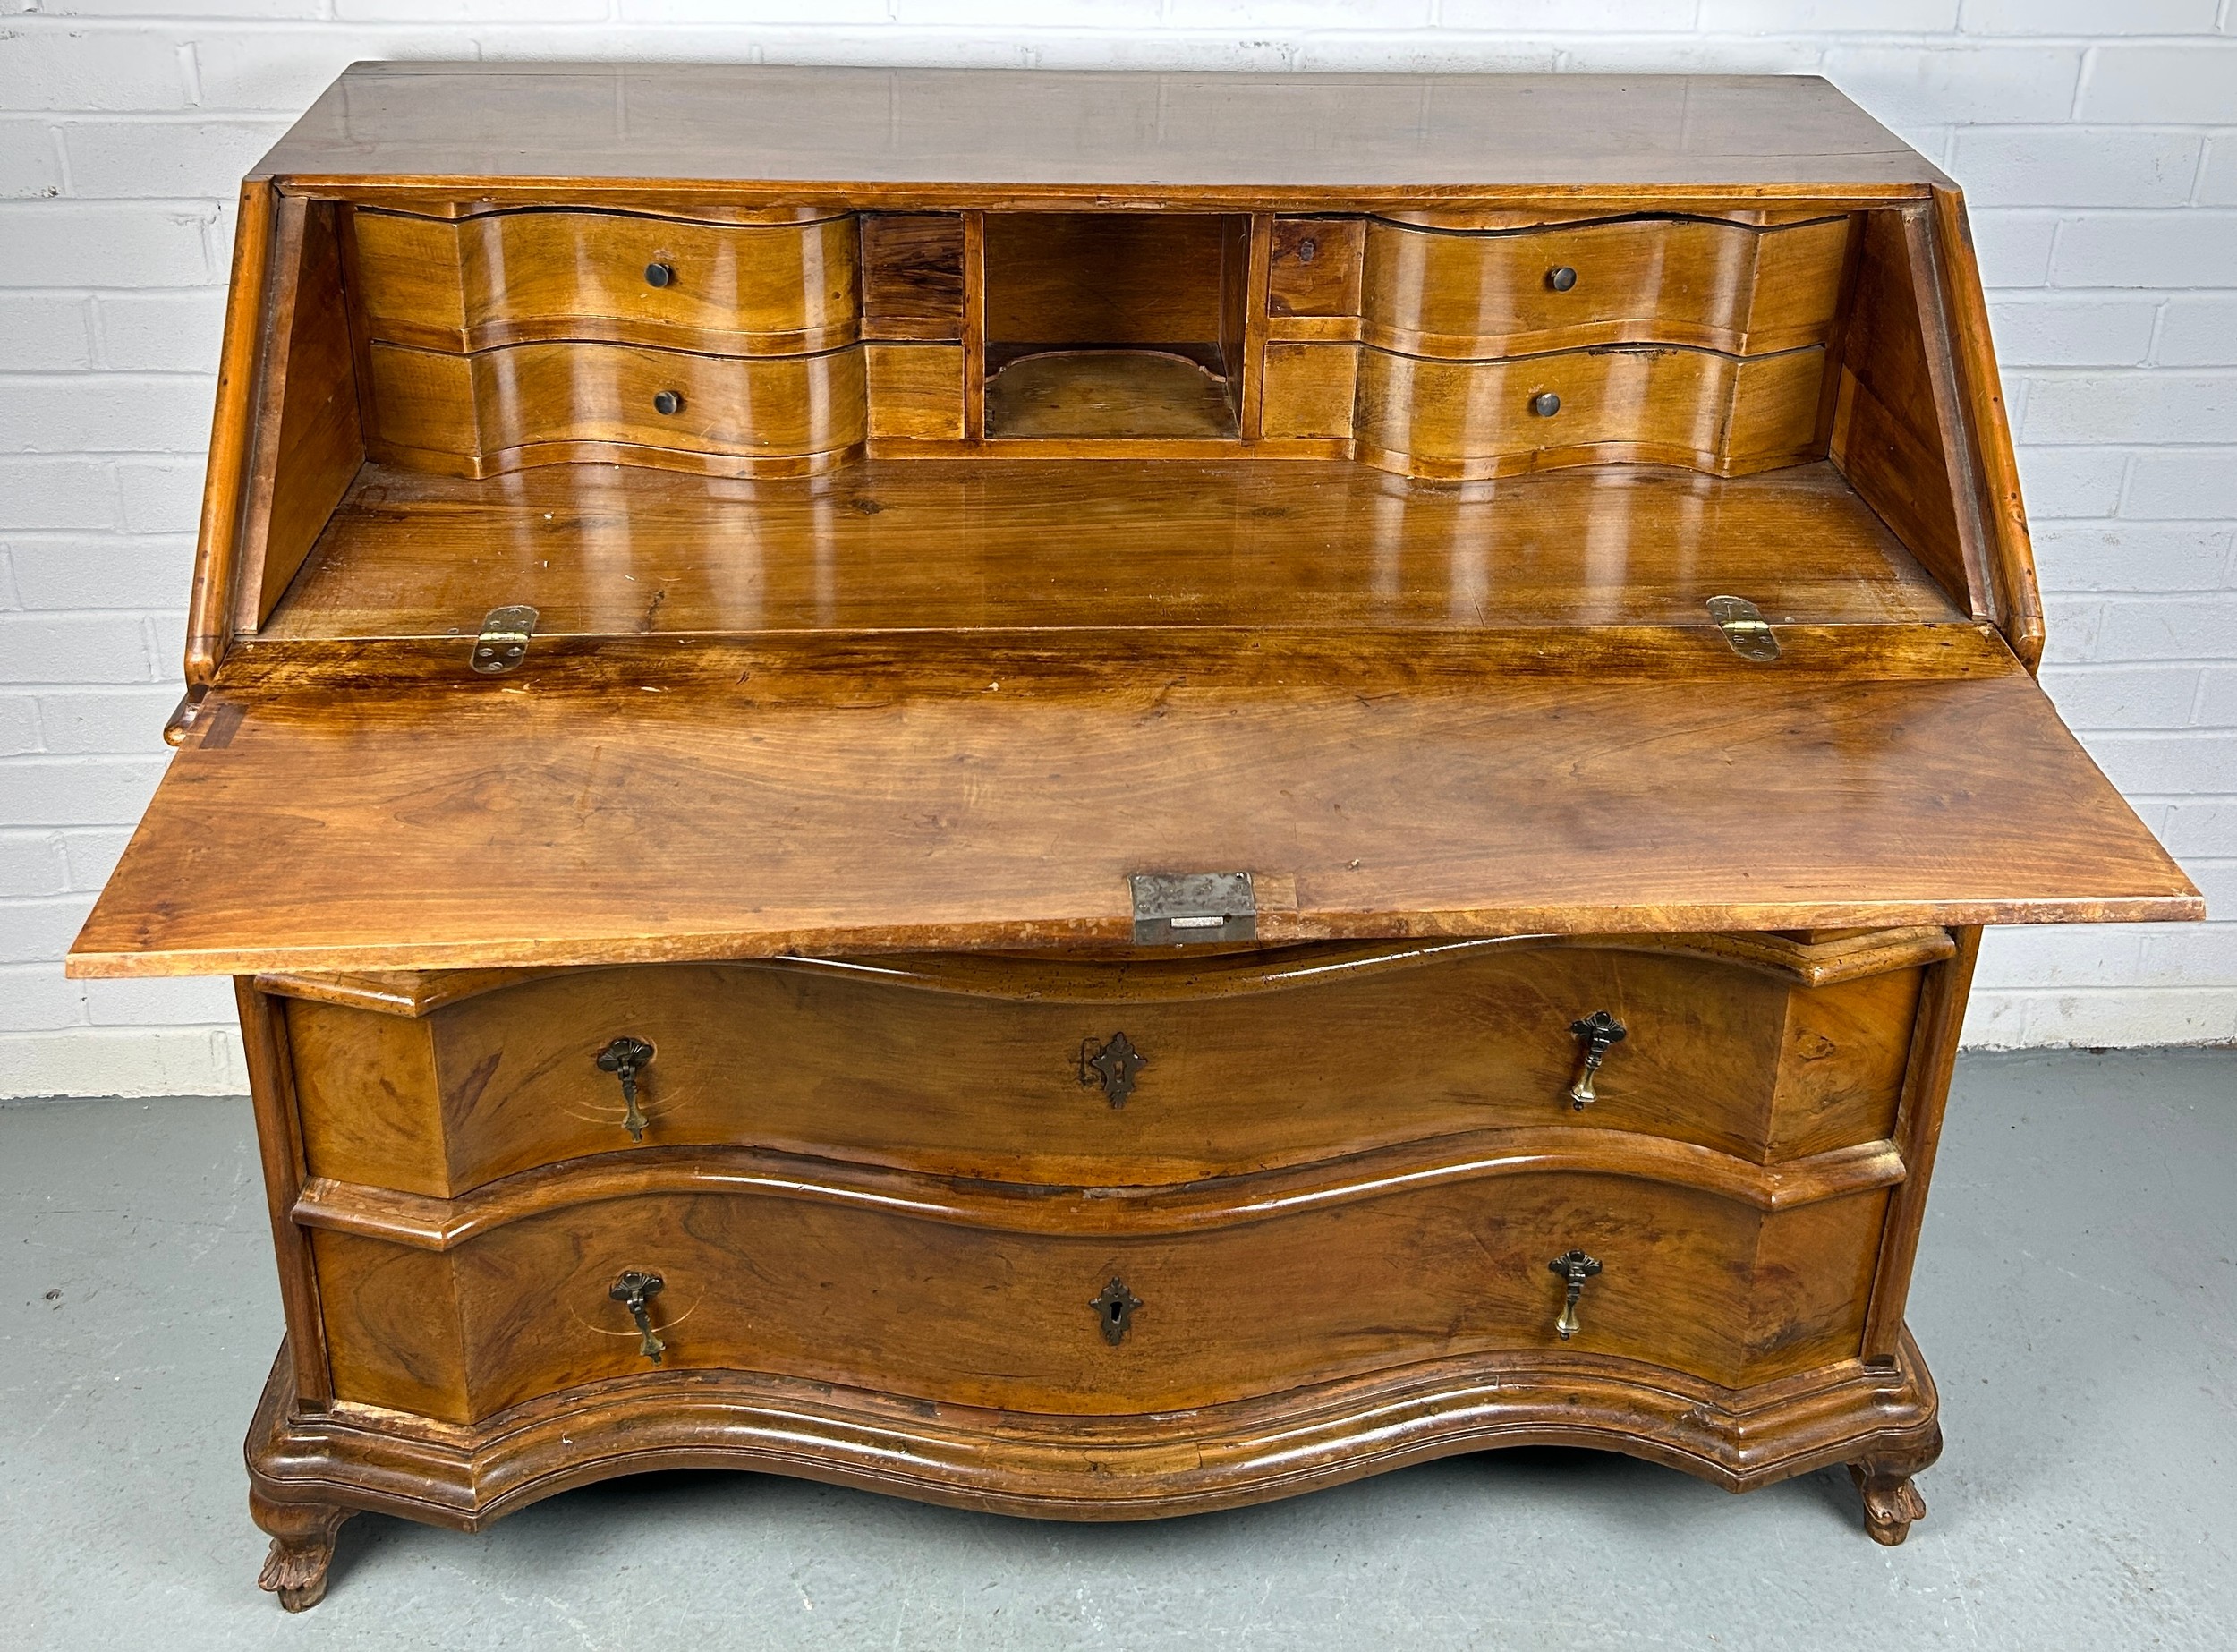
(1560, 277)
(659, 274)
(1545, 404)
(667, 402)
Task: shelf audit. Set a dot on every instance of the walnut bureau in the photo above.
(1099, 795)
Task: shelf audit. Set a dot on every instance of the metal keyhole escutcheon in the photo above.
(1596, 1034)
(1114, 1307)
(1113, 1066)
(625, 1058)
(1574, 1267)
(633, 1290)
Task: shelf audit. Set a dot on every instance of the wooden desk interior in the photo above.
(1024, 544)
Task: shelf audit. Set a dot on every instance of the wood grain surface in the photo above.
(912, 276)
(1085, 1467)
(1122, 395)
(487, 824)
(309, 444)
(1675, 281)
(969, 1314)
(547, 403)
(975, 544)
(829, 1057)
(1464, 420)
(923, 135)
(513, 277)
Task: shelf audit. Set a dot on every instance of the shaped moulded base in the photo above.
(311, 1467)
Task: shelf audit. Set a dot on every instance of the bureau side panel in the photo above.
(394, 1333)
(1842, 1064)
(373, 1110)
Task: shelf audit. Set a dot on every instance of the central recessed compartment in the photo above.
(1115, 326)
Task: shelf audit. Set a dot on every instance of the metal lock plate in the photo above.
(1745, 628)
(1192, 908)
(502, 643)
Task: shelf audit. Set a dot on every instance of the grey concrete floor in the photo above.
(2077, 1297)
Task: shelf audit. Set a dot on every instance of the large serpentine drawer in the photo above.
(1040, 1071)
(1045, 1300)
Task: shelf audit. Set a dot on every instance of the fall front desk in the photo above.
(1099, 794)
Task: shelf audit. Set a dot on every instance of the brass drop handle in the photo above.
(1574, 1267)
(625, 1058)
(1596, 1034)
(632, 1290)
(1113, 1066)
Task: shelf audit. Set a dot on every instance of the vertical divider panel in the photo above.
(1252, 370)
(974, 325)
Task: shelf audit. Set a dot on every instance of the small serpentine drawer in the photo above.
(533, 403)
(1454, 420)
(1033, 1300)
(1449, 291)
(509, 278)
(1090, 1073)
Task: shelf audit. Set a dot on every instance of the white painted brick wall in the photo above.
(2097, 142)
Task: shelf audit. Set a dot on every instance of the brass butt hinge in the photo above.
(1191, 908)
(502, 643)
(1745, 628)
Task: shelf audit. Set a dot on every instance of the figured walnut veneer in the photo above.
(1559, 535)
(809, 1056)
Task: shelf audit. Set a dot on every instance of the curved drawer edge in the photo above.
(587, 329)
(1800, 963)
(1498, 467)
(1083, 1468)
(1646, 332)
(428, 1223)
(690, 462)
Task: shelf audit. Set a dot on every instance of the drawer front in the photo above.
(915, 391)
(743, 289)
(1312, 266)
(912, 276)
(986, 1068)
(838, 1291)
(1712, 285)
(522, 404)
(1465, 420)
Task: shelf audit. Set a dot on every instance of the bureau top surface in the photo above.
(1265, 135)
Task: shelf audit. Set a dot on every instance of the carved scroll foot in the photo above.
(302, 1549)
(1891, 1502)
